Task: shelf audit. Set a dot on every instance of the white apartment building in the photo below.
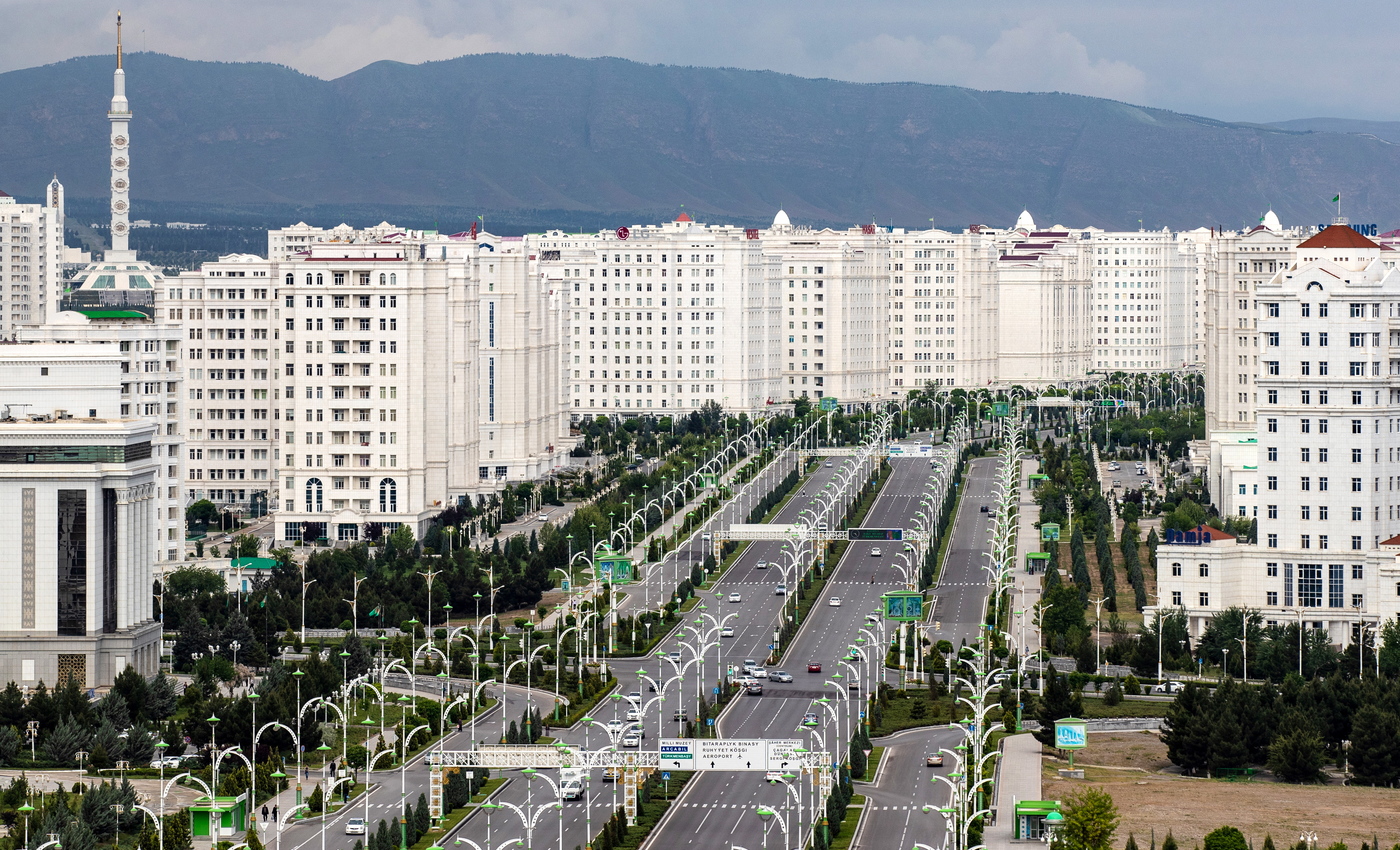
(941, 309)
(369, 377)
(1142, 301)
(842, 276)
(31, 259)
(1328, 413)
(1236, 264)
(664, 318)
(1045, 308)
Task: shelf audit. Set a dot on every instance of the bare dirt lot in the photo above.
(1149, 801)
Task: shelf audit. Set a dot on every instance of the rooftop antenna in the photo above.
(119, 38)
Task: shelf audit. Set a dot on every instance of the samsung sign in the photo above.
(1363, 229)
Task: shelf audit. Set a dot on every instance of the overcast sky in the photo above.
(1242, 60)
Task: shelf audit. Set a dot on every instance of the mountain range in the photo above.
(532, 141)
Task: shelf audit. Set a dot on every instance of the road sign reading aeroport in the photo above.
(736, 754)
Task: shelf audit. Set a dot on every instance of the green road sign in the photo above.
(874, 534)
(828, 403)
(903, 605)
(1001, 408)
(1050, 531)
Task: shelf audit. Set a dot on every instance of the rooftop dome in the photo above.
(1025, 222)
(117, 275)
(1271, 222)
(781, 220)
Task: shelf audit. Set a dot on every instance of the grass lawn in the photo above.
(851, 824)
(488, 789)
(873, 763)
(1094, 707)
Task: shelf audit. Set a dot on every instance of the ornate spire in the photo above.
(119, 115)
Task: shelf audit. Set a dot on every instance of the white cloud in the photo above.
(351, 45)
(1028, 57)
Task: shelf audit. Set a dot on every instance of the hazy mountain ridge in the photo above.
(573, 142)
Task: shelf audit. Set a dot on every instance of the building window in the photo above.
(1336, 574)
(1176, 596)
(1271, 597)
(1310, 585)
(388, 496)
(1176, 569)
(1272, 541)
(1205, 599)
(1356, 542)
(1204, 570)
(313, 495)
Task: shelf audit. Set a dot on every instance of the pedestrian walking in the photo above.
(264, 813)
(274, 814)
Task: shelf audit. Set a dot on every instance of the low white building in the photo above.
(80, 537)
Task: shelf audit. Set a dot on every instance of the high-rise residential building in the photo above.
(941, 309)
(660, 318)
(839, 350)
(369, 377)
(1142, 301)
(31, 259)
(1044, 307)
(1328, 413)
(1235, 264)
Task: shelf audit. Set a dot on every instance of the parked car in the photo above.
(813, 667)
(355, 826)
(1171, 687)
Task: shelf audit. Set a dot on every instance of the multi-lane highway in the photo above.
(894, 816)
(718, 809)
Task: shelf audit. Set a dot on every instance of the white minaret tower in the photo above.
(119, 114)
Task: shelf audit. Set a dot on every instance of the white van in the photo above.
(571, 789)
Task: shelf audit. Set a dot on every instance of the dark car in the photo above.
(813, 667)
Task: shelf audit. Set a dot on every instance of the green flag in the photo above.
(1336, 199)
(374, 613)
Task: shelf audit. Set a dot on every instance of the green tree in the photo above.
(1297, 756)
(1091, 818)
(1225, 838)
(316, 801)
(1058, 702)
(1375, 738)
(200, 515)
(63, 743)
(1185, 730)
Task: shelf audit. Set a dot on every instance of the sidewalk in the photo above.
(1026, 593)
(1018, 779)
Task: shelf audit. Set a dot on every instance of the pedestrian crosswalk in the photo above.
(746, 806)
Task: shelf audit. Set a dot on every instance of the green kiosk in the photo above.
(221, 817)
(1030, 819)
(612, 567)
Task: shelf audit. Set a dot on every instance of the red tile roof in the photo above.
(684, 217)
(1338, 236)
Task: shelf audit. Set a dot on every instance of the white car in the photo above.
(772, 776)
(761, 565)
(355, 826)
(834, 602)
(734, 597)
(874, 551)
(759, 673)
(727, 631)
(631, 741)
(615, 727)
(634, 714)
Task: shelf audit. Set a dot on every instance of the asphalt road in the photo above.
(718, 808)
(904, 785)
